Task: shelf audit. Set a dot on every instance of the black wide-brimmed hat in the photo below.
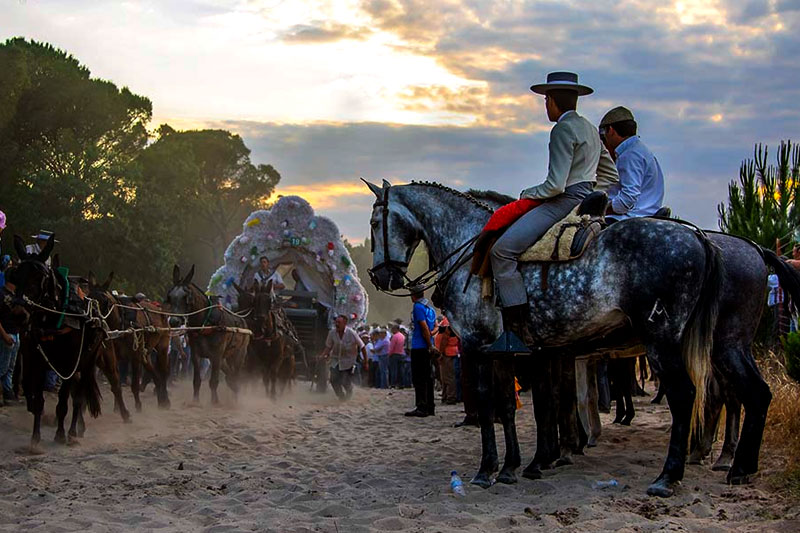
(562, 80)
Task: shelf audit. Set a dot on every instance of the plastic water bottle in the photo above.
(605, 484)
(456, 484)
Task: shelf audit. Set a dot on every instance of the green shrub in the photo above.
(791, 354)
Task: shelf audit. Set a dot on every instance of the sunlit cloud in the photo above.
(324, 195)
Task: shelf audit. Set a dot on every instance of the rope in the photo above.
(93, 302)
(116, 333)
(77, 360)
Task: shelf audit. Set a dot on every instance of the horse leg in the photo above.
(627, 389)
(489, 460)
(593, 416)
(615, 377)
(77, 415)
(196, 379)
(680, 392)
(61, 411)
(742, 373)
(582, 389)
(733, 412)
(108, 361)
(232, 380)
(213, 382)
(543, 408)
(506, 402)
(703, 437)
(33, 380)
(569, 441)
(162, 360)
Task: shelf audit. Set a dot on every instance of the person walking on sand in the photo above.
(341, 351)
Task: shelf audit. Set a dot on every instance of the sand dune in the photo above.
(308, 463)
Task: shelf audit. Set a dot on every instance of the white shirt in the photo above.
(263, 278)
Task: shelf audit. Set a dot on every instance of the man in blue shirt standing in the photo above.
(640, 191)
(423, 352)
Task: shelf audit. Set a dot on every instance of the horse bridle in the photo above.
(428, 278)
(397, 267)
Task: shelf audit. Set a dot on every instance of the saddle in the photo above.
(566, 240)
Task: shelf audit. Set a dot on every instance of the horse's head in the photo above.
(181, 296)
(264, 301)
(100, 293)
(395, 234)
(31, 276)
(244, 298)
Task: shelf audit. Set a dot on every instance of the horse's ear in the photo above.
(56, 261)
(92, 279)
(107, 284)
(48, 248)
(268, 286)
(19, 246)
(188, 279)
(176, 275)
(386, 184)
(377, 191)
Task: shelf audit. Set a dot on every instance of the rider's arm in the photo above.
(561, 153)
(5, 336)
(632, 168)
(607, 174)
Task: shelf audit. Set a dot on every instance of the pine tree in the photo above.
(762, 205)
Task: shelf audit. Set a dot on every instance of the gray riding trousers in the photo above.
(523, 234)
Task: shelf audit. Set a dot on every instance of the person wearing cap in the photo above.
(576, 155)
(423, 353)
(640, 191)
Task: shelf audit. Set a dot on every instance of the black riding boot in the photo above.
(515, 320)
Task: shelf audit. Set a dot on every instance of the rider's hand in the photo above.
(434, 351)
(8, 339)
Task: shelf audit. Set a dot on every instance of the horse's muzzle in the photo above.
(387, 277)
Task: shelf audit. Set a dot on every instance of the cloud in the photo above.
(324, 32)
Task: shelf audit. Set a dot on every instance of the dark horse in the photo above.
(66, 344)
(146, 331)
(271, 349)
(215, 337)
(657, 278)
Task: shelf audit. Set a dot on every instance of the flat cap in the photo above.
(618, 114)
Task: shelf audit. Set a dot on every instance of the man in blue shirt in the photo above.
(640, 191)
(423, 352)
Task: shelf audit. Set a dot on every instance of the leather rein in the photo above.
(427, 279)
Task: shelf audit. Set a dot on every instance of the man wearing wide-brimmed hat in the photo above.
(640, 191)
(575, 161)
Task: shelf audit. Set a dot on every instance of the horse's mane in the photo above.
(490, 196)
(458, 193)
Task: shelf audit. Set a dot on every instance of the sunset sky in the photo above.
(329, 91)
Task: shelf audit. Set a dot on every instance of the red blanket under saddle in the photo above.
(509, 213)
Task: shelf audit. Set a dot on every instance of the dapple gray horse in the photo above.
(657, 278)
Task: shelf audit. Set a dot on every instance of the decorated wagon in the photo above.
(308, 251)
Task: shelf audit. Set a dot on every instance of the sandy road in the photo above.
(308, 463)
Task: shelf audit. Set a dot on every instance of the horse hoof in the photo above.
(127, 420)
(532, 473)
(564, 460)
(693, 460)
(721, 467)
(482, 480)
(738, 479)
(617, 421)
(73, 441)
(506, 477)
(35, 449)
(60, 438)
(661, 489)
(592, 443)
(626, 421)
(164, 405)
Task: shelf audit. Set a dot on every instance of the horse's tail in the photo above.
(87, 385)
(788, 277)
(698, 338)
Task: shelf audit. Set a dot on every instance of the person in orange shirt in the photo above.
(448, 344)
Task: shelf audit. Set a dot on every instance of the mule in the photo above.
(211, 337)
(272, 342)
(657, 278)
(70, 348)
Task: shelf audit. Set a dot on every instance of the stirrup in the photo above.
(508, 343)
